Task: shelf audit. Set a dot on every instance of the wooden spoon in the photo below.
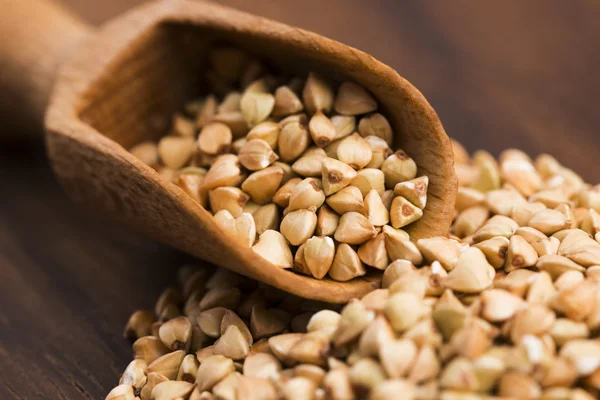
(120, 84)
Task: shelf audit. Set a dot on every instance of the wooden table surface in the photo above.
(499, 73)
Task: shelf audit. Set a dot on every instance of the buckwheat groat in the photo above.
(508, 306)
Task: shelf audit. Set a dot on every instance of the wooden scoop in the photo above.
(120, 85)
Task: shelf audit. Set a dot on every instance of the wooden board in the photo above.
(500, 74)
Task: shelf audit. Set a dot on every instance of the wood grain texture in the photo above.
(500, 74)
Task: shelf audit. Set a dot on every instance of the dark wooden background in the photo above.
(499, 73)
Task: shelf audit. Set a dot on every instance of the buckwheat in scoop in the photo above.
(301, 169)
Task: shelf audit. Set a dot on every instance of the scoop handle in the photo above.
(36, 36)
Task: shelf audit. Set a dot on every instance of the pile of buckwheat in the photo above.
(299, 170)
(508, 306)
